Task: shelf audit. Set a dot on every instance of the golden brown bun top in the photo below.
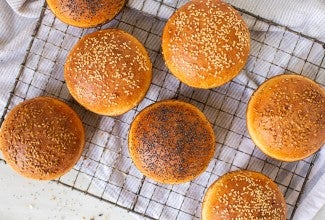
(171, 142)
(286, 117)
(85, 13)
(108, 72)
(244, 195)
(42, 138)
(205, 43)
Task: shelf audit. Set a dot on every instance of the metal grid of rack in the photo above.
(105, 169)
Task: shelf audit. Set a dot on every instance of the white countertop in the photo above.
(21, 198)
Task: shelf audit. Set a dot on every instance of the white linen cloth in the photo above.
(18, 19)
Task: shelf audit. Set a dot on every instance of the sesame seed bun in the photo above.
(108, 72)
(244, 195)
(205, 43)
(286, 117)
(171, 142)
(85, 13)
(42, 138)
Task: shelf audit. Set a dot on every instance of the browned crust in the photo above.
(286, 117)
(244, 195)
(205, 43)
(42, 138)
(171, 142)
(108, 72)
(85, 13)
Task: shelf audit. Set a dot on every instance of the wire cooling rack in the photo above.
(105, 169)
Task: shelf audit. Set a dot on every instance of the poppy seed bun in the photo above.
(286, 117)
(108, 72)
(42, 138)
(85, 13)
(244, 195)
(205, 43)
(171, 142)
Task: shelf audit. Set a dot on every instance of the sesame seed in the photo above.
(102, 64)
(217, 42)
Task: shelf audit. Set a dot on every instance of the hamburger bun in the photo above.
(286, 117)
(171, 142)
(205, 43)
(85, 13)
(42, 138)
(108, 72)
(244, 195)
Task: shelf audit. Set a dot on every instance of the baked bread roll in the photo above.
(205, 43)
(42, 138)
(85, 13)
(286, 117)
(108, 72)
(244, 195)
(171, 142)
